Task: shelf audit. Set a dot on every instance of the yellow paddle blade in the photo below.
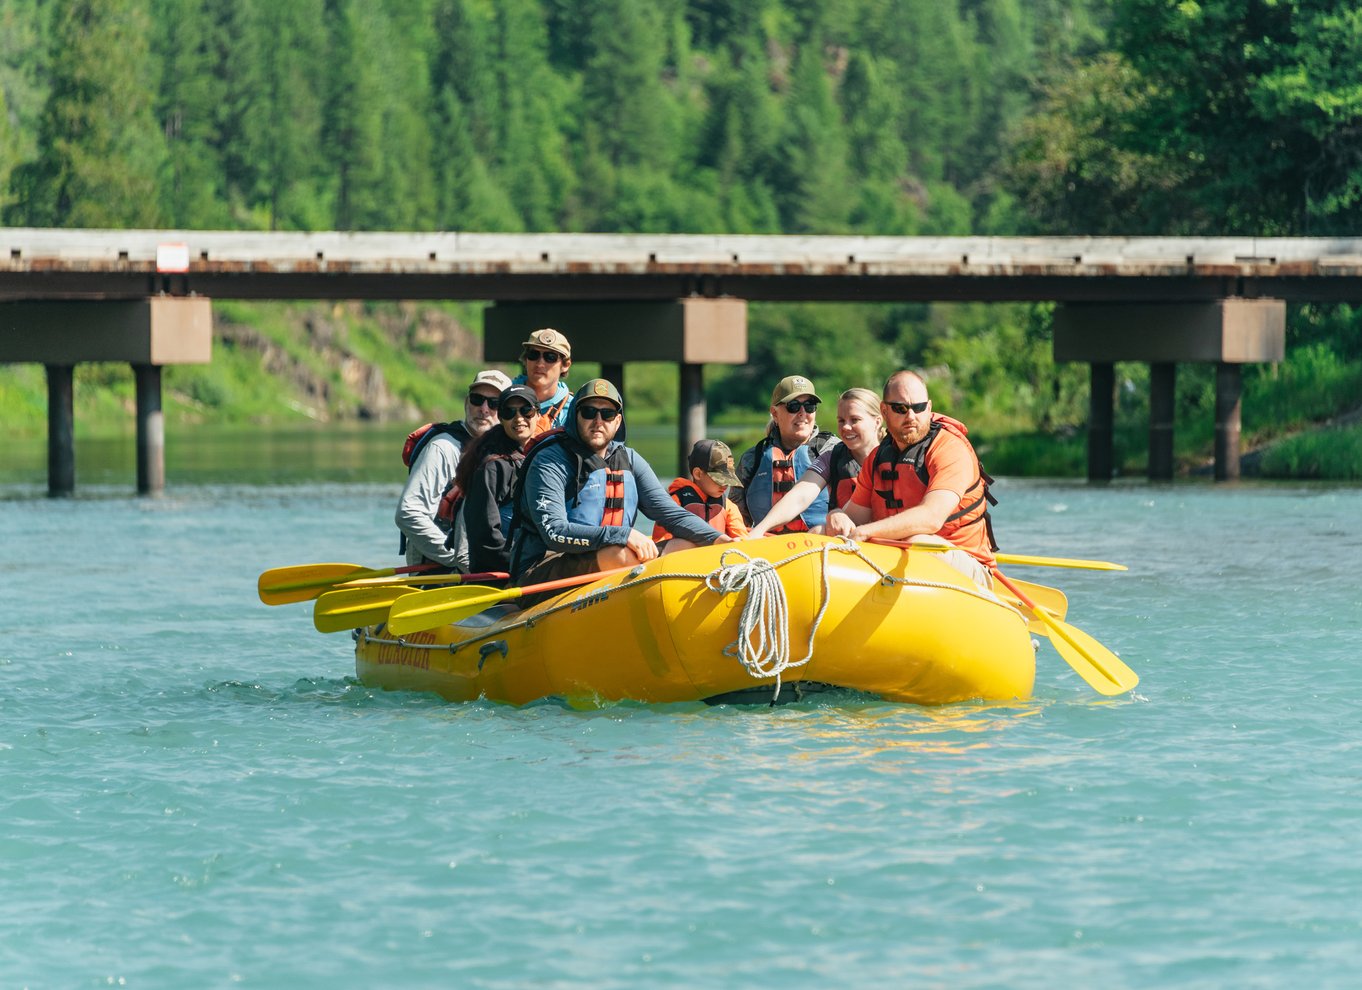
(1052, 598)
(1103, 670)
(1085, 565)
(428, 609)
(354, 608)
(304, 582)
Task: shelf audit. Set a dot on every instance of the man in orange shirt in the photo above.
(922, 483)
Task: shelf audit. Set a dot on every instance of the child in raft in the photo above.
(705, 493)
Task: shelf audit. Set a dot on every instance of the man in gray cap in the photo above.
(583, 489)
(423, 511)
(770, 468)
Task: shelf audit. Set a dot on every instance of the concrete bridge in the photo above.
(144, 296)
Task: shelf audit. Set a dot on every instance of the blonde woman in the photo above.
(860, 427)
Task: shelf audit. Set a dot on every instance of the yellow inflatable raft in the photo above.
(798, 612)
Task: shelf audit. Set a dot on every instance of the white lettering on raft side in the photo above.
(396, 654)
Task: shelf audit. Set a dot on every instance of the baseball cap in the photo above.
(790, 386)
(549, 339)
(491, 377)
(521, 392)
(598, 388)
(715, 459)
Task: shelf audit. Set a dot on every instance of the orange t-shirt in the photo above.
(951, 466)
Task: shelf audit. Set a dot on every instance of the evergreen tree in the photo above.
(193, 192)
(532, 158)
(353, 117)
(815, 153)
(99, 150)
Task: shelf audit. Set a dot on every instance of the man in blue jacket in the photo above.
(581, 491)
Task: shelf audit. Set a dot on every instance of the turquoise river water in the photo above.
(195, 792)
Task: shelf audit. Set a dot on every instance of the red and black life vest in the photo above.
(898, 488)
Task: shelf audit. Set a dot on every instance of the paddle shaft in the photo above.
(1021, 560)
(1102, 669)
(360, 573)
(428, 609)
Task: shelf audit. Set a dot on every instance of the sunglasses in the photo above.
(478, 399)
(808, 405)
(548, 357)
(517, 412)
(591, 412)
(901, 408)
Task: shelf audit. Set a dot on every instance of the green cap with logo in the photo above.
(792, 386)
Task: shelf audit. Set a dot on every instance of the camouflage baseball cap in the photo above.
(715, 459)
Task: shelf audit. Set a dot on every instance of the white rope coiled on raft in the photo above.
(763, 643)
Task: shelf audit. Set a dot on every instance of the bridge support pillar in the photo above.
(691, 415)
(146, 333)
(61, 422)
(151, 430)
(1101, 400)
(1162, 387)
(1227, 333)
(1228, 392)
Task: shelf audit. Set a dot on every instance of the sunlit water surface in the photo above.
(196, 792)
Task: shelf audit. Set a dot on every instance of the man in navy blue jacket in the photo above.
(583, 489)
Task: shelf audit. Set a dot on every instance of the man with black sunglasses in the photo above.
(423, 511)
(770, 468)
(546, 357)
(923, 483)
(581, 489)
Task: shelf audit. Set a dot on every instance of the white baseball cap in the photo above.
(493, 379)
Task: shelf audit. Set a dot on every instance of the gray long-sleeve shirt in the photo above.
(420, 501)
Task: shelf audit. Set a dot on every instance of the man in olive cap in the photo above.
(582, 490)
(771, 467)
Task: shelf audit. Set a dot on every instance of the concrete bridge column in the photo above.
(1101, 403)
(1229, 383)
(1162, 386)
(61, 424)
(148, 334)
(613, 372)
(151, 430)
(1226, 332)
(691, 416)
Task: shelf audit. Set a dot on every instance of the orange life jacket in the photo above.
(901, 480)
(686, 493)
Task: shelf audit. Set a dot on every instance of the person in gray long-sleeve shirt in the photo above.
(418, 510)
(582, 492)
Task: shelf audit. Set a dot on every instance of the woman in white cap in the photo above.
(546, 357)
(860, 428)
(424, 513)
